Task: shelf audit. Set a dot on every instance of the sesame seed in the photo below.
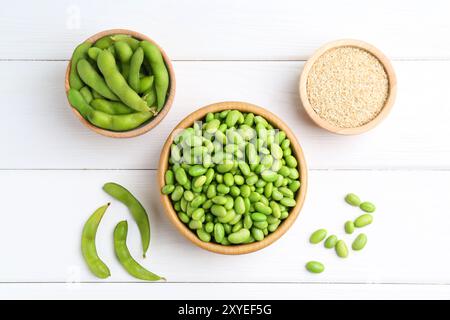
(347, 86)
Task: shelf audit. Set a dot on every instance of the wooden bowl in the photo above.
(300, 197)
(387, 67)
(146, 126)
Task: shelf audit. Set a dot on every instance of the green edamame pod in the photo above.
(137, 210)
(117, 83)
(87, 94)
(125, 258)
(132, 42)
(91, 77)
(111, 107)
(121, 122)
(150, 97)
(145, 84)
(135, 67)
(88, 248)
(93, 53)
(154, 57)
(103, 43)
(78, 102)
(123, 51)
(80, 52)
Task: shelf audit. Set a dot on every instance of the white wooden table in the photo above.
(52, 168)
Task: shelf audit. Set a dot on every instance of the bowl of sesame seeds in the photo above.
(348, 87)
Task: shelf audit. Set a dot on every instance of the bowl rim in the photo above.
(145, 127)
(385, 62)
(300, 197)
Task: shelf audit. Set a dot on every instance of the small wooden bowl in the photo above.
(387, 67)
(154, 121)
(284, 226)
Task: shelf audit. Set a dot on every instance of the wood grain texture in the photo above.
(297, 151)
(229, 29)
(41, 131)
(406, 242)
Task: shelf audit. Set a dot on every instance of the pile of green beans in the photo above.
(232, 177)
(118, 83)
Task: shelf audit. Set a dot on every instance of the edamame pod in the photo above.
(87, 94)
(125, 258)
(91, 77)
(145, 84)
(88, 248)
(117, 83)
(80, 52)
(137, 210)
(93, 53)
(135, 67)
(154, 57)
(132, 42)
(111, 107)
(122, 122)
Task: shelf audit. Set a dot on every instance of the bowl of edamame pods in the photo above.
(233, 178)
(120, 83)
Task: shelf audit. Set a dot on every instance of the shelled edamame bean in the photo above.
(118, 76)
(232, 178)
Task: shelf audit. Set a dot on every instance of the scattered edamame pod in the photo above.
(125, 258)
(88, 247)
(317, 236)
(315, 267)
(360, 242)
(136, 209)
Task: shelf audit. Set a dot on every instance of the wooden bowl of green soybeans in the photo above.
(120, 83)
(233, 178)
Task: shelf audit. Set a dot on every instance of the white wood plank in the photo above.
(202, 291)
(229, 29)
(43, 213)
(41, 132)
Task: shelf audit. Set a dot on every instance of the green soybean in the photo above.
(317, 236)
(79, 53)
(363, 220)
(349, 227)
(360, 242)
(367, 207)
(125, 258)
(156, 61)
(330, 242)
(352, 199)
(117, 83)
(314, 267)
(341, 249)
(93, 53)
(239, 236)
(136, 209)
(94, 80)
(88, 247)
